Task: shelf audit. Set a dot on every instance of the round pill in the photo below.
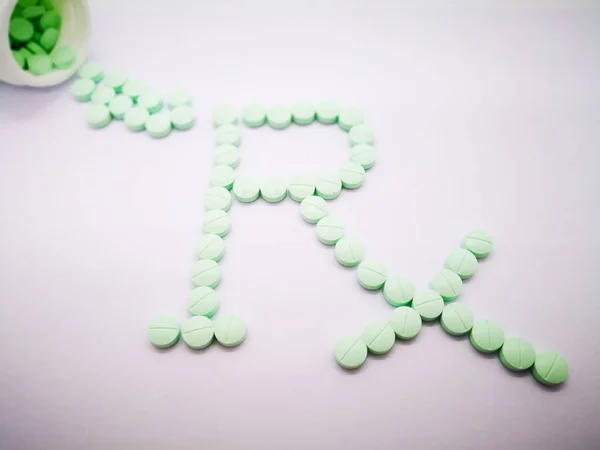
(115, 80)
(21, 29)
(447, 284)
(49, 38)
(328, 186)
(350, 352)
(179, 97)
(222, 176)
(159, 125)
(217, 222)
(91, 70)
(486, 336)
(379, 338)
(462, 262)
(313, 209)
(517, 354)
(361, 134)
(352, 175)
(349, 251)
(217, 198)
(405, 322)
(83, 89)
(210, 246)
(198, 332)
(303, 113)
(230, 330)
(350, 117)
(134, 88)
(26, 3)
(302, 186)
(330, 230)
(364, 155)
(35, 48)
(33, 12)
(428, 304)
(228, 134)
(227, 155)
(254, 115)
(98, 116)
(279, 117)
(398, 291)
(103, 95)
(206, 272)
(550, 368)
(150, 100)
(203, 301)
(371, 274)
(246, 189)
(456, 319)
(50, 19)
(135, 118)
(478, 242)
(39, 64)
(224, 115)
(119, 105)
(19, 58)
(164, 331)
(328, 112)
(64, 57)
(273, 189)
(183, 118)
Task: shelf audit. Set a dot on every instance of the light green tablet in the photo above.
(364, 155)
(210, 246)
(39, 64)
(447, 283)
(279, 117)
(303, 113)
(183, 117)
(456, 319)
(230, 330)
(91, 70)
(203, 301)
(164, 331)
(246, 189)
(198, 332)
(227, 155)
(216, 222)
(83, 89)
(254, 115)
(517, 354)
(398, 291)
(379, 338)
(98, 116)
(478, 242)
(159, 125)
(405, 322)
(462, 262)
(224, 115)
(21, 29)
(115, 80)
(206, 272)
(550, 368)
(313, 209)
(119, 105)
(135, 119)
(352, 175)
(273, 189)
(371, 274)
(349, 251)
(301, 186)
(350, 117)
(179, 97)
(361, 134)
(228, 135)
(217, 198)
(350, 352)
(150, 100)
(487, 336)
(103, 95)
(330, 230)
(328, 186)
(222, 176)
(328, 112)
(134, 88)
(428, 304)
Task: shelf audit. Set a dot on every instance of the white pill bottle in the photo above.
(74, 32)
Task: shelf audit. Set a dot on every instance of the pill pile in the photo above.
(413, 307)
(114, 96)
(34, 32)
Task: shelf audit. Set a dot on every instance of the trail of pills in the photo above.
(114, 96)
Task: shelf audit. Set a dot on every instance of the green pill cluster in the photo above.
(33, 33)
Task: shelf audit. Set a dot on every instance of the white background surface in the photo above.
(485, 117)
